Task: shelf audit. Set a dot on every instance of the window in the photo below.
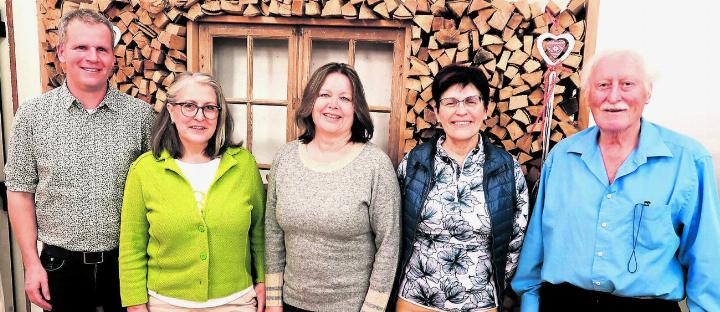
(264, 67)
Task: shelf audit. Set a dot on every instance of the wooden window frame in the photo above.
(207, 32)
(204, 29)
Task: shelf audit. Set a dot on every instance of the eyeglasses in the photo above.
(189, 109)
(453, 103)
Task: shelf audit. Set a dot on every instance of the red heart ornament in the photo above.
(555, 48)
(558, 47)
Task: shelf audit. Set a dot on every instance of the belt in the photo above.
(566, 294)
(95, 257)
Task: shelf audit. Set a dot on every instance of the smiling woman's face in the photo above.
(461, 123)
(333, 110)
(197, 130)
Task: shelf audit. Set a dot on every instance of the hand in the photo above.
(260, 293)
(138, 308)
(274, 309)
(36, 286)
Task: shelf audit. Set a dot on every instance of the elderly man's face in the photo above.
(617, 94)
(87, 55)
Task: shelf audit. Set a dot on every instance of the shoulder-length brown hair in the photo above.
(362, 126)
(164, 134)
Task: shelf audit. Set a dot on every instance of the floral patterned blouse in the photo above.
(450, 268)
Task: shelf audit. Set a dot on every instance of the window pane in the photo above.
(270, 69)
(230, 65)
(381, 121)
(324, 52)
(239, 115)
(269, 125)
(373, 62)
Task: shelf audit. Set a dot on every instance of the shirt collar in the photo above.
(68, 99)
(650, 144)
(440, 151)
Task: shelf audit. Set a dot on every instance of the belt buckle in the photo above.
(91, 260)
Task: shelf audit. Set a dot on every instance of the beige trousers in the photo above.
(246, 303)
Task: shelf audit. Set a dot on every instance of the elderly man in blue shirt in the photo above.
(627, 216)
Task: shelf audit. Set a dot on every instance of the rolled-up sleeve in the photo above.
(21, 172)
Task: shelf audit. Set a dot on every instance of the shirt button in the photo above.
(201, 228)
(600, 254)
(609, 196)
(596, 283)
(203, 256)
(604, 224)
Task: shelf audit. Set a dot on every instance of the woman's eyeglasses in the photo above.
(470, 102)
(189, 109)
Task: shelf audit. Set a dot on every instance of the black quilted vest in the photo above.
(499, 186)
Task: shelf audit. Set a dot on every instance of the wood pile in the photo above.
(499, 38)
(495, 35)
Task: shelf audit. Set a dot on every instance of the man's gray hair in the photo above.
(590, 67)
(85, 16)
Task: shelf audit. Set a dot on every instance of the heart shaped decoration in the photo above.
(559, 47)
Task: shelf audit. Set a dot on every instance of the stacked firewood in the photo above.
(495, 35)
(499, 38)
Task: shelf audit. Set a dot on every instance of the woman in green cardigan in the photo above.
(191, 233)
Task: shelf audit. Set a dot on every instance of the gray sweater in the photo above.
(332, 235)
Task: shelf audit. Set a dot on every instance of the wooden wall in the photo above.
(496, 36)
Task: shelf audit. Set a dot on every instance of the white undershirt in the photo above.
(200, 176)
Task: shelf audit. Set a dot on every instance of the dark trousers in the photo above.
(289, 308)
(567, 297)
(80, 282)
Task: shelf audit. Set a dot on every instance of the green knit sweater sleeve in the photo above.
(133, 242)
(257, 226)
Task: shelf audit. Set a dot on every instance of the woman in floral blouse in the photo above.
(465, 207)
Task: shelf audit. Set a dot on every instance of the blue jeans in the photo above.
(80, 283)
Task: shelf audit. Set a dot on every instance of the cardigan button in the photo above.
(201, 228)
(203, 256)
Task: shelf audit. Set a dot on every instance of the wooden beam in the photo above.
(591, 19)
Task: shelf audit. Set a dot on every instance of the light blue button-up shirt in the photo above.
(582, 228)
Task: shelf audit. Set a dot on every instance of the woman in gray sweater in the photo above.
(332, 216)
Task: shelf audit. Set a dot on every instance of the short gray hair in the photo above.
(85, 16)
(590, 67)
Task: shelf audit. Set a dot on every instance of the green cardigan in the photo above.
(167, 246)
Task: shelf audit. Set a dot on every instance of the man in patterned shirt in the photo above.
(69, 153)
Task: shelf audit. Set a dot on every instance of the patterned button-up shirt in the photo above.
(451, 267)
(75, 162)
